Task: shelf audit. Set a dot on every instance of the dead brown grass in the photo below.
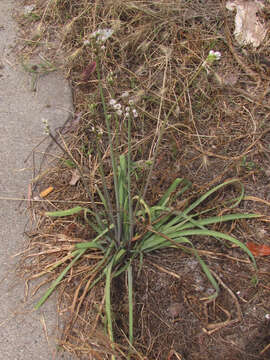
(219, 129)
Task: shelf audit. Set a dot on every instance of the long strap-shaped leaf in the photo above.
(157, 240)
(166, 197)
(56, 282)
(108, 308)
(130, 304)
(208, 193)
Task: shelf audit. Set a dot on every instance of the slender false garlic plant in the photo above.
(119, 238)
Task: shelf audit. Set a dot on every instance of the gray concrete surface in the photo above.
(22, 334)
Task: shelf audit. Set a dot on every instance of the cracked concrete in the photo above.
(22, 331)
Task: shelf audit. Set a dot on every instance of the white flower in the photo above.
(119, 112)
(86, 42)
(28, 9)
(125, 94)
(102, 35)
(100, 131)
(213, 55)
(217, 55)
(127, 109)
(267, 316)
(112, 102)
(46, 126)
(131, 102)
(135, 114)
(117, 106)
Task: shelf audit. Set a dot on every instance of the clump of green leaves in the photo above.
(120, 243)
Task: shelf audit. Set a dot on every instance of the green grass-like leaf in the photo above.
(108, 308)
(56, 282)
(62, 213)
(130, 303)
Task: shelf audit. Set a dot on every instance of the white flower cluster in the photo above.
(119, 110)
(28, 9)
(134, 112)
(116, 106)
(214, 55)
(46, 126)
(102, 35)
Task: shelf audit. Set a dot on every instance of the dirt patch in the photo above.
(173, 309)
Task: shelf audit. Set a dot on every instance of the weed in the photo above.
(248, 165)
(158, 64)
(126, 228)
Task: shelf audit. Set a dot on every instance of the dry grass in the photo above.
(218, 129)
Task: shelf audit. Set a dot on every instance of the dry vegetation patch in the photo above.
(214, 122)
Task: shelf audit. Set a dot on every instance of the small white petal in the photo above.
(211, 52)
(131, 102)
(86, 42)
(127, 109)
(28, 9)
(125, 94)
(267, 316)
(119, 112)
(117, 106)
(102, 34)
(135, 114)
(112, 102)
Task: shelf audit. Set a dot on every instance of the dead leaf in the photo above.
(258, 250)
(249, 29)
(90, 68)
(46, 192)
(75, 177)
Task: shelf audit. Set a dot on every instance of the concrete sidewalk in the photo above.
(22, 335)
